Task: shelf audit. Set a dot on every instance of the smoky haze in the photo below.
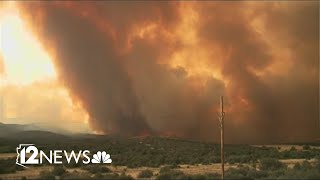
(160, 67)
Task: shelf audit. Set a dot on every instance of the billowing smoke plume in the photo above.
(160, 67)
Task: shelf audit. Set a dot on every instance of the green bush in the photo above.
(145, 174)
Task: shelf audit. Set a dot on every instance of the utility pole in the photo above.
(221, 119)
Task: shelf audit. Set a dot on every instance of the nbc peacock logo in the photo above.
(101, 157)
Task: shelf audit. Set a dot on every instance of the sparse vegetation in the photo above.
(9, 166)
(145, 174)
(46, 175)
(306, 147)
(51, 174)
(94, 169)
(171, 156)
(270, 164)
(58, 170)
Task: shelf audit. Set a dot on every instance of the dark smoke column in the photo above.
(90, 68)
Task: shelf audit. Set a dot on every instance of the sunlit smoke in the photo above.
(29, 86)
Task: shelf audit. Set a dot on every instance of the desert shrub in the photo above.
(6, 166)
(253, 173)
(305, 165)
(239, 159)
(46, 175)
(100, 176)
(306, 147)
(297, 166)
(293, 148)
(206, 176)
(276, 173)
(7, 169)
(237, 173)
(94, 169)
(304, 170)
(113, 176)
(291, 154)
(216, 160)
(317, 163)
(6, 149)
(171, 174)
(245, 172)
(270, 164)
(125, 177)
(75, 175)
(174, 165)
(234, 173)
(165, 169)
(312, 173)
(167, 172)
(212, 176)
(196, 176)
(145, 174)
(58, 170)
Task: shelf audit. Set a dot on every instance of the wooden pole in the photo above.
(221, 118)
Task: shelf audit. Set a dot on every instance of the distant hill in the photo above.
(33, 133)
(29, 133)
(7, 129)
(37, 136)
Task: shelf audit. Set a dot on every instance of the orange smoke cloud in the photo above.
(161, 66)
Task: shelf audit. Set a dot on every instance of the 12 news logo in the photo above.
(56, 156)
